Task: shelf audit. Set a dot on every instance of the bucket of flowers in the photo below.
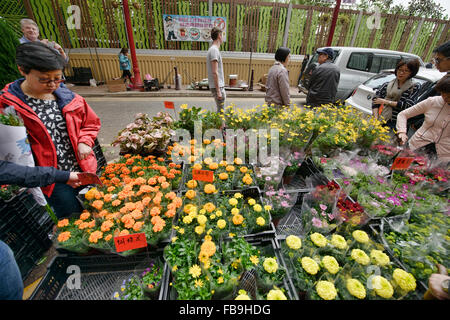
(281, 203)
(150, 273)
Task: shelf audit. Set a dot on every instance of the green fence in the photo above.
(252, 25)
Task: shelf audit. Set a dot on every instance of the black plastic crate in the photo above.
(101, 160)
(99, 276)
(24, 227)
(269, 246)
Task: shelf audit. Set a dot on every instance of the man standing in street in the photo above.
(324, 80)
(215, 69)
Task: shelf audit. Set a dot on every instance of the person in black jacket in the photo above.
(11, 285)
(322, 86)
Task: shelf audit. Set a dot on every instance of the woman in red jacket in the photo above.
(61, 126)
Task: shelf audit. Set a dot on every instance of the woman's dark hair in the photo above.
(443, 85)
(443, 49)
(282, 53)
(38, 56)
(413, 65)
(124, 50)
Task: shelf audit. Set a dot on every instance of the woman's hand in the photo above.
(380, 101)
(74, 181)
(403, 137)
(435, 285)
(83, 150)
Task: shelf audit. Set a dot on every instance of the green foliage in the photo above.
(8, 68)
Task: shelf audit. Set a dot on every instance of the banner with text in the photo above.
(192, 28)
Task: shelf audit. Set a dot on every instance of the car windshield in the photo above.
(315, 57)
(376, 81)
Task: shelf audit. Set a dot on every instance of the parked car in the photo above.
(362, 96)
(356, 66)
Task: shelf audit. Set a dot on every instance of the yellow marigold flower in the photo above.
(213, 166)
(219, 213)
(360, 256)
(270, 265)
(360, 236)
(318, 239)
(238, 195)
(191, 184)
(190, 194)
(237, 219)
(378, 257)
(247, 179)
(260, 221)
(338, 241)
(201, 219)
(220, 280)
(208, 248)
(209, 188)
(187, 219)
(251, 201)
(223, 176)
(257, 208)
(198, 283)
(254, 260)
(382, 287)
(238, 161)
(309, 265)
(331, 264)
(197, 166)
(267, 207)
(230, 168)
(199, 230)
(234, 211)
(276, 294)
(293, 242)
(233, 202)
(242, 295)
(243, 169)
(326, 290)
(356, 289)
(405, 280)
(221, 223)
(195, 271)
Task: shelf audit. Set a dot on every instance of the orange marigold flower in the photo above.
(178, 201)
(223, 176)
(77, 222)
(63, 223)
(108, 237)
(213, 166)
(115, 181)
(170, 176)
(107, 197)
(156, 211)
(91, 224)
(106, 226)
(138, 226)
(136, 214)
(95, 236)
(209, 207)
(165, 185)
(135, 169)
(97, 204)
(83, 225)
(152, 181)
(171, 195)
(172, 165)
(85, 215)
(157, 200)
(141, 173)
(172, 206)
(64, 236)
(170, 213)
(146, 201)
(145, 188)
(116, 203)
(124, 232)
(130, 223)
(126, 217)
(238, 219)
(140, 181)
(111, 189)
(127, 156)
(156, 220)
(127, 180)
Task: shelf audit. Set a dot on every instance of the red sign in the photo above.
(203, 175)
(169, 105)
(402, 163)
(89, 178)
(130, 241)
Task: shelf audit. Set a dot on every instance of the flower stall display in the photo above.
(203, 270)
(226, 214)
(188, 115)
(331, 267)
(129, 289)
(281, 203)
(146, 136)
(7, 192)
(149, 274)
(136, 197)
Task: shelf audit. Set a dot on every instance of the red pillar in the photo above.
(137, 82)
(333, 22)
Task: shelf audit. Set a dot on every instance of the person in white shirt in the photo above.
(215, 69)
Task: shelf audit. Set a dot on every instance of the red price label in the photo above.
(402, 163)
(130, 241)
(89, 178)
(169, 105)
(203, 175)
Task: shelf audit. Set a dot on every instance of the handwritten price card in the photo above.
(203, 175)
(130, 242)
(402, 163)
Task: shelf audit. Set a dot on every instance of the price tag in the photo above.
(89, 178)
(402, 163)
(203, 175)
(130, 241)
(169, 105)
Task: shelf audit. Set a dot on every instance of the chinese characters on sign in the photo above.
(401, 163)
(192, 28)
(203, 175)
(129, 242)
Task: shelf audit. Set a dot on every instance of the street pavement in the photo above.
(116, 113)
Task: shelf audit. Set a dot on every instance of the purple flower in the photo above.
(394, 200)
(323, 207)
(268, 178)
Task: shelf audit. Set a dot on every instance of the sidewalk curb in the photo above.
(178, 94)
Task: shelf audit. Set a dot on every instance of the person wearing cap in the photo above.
(277, 84)
(324, 80)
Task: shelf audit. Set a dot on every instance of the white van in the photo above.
(356, 66)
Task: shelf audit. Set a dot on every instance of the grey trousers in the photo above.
(220, 104)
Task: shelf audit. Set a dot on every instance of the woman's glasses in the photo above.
(48, 81)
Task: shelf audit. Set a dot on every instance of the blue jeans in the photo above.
(11, 285)
(64, 201)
